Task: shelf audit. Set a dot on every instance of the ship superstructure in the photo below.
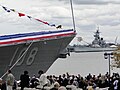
(98, 41)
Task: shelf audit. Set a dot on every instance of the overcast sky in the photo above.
(89, 14)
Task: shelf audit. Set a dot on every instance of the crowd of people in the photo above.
(90, 82)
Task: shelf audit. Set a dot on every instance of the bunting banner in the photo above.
(5, 8)
(22, 14)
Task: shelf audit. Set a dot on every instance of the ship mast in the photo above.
(97, 34)
(72, 15)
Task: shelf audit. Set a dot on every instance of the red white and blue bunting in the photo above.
(22, 14)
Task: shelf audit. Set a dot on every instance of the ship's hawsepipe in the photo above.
(34, 36)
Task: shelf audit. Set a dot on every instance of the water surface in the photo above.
(82, 63)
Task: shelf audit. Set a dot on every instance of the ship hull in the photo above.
(40, 55)
(92, 49)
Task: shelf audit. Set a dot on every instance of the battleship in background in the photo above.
(97, 45)
(32, 51)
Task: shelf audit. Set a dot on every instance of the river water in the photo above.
(82, 63)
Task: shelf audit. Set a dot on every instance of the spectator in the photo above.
(56, 86)
(2, 85)
(24, 80)
(10, 80)
(34, 82)
(43, 79)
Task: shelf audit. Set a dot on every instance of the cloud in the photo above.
(88, 15)
(93, 2)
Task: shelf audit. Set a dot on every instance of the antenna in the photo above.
(72, 15)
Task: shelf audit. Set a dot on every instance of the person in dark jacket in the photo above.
(24, 80)
(2, 85)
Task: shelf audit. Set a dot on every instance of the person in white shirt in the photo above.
(43, 79)
(10, 80)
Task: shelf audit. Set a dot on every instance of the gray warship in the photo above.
(97, 45)
(32, 51)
